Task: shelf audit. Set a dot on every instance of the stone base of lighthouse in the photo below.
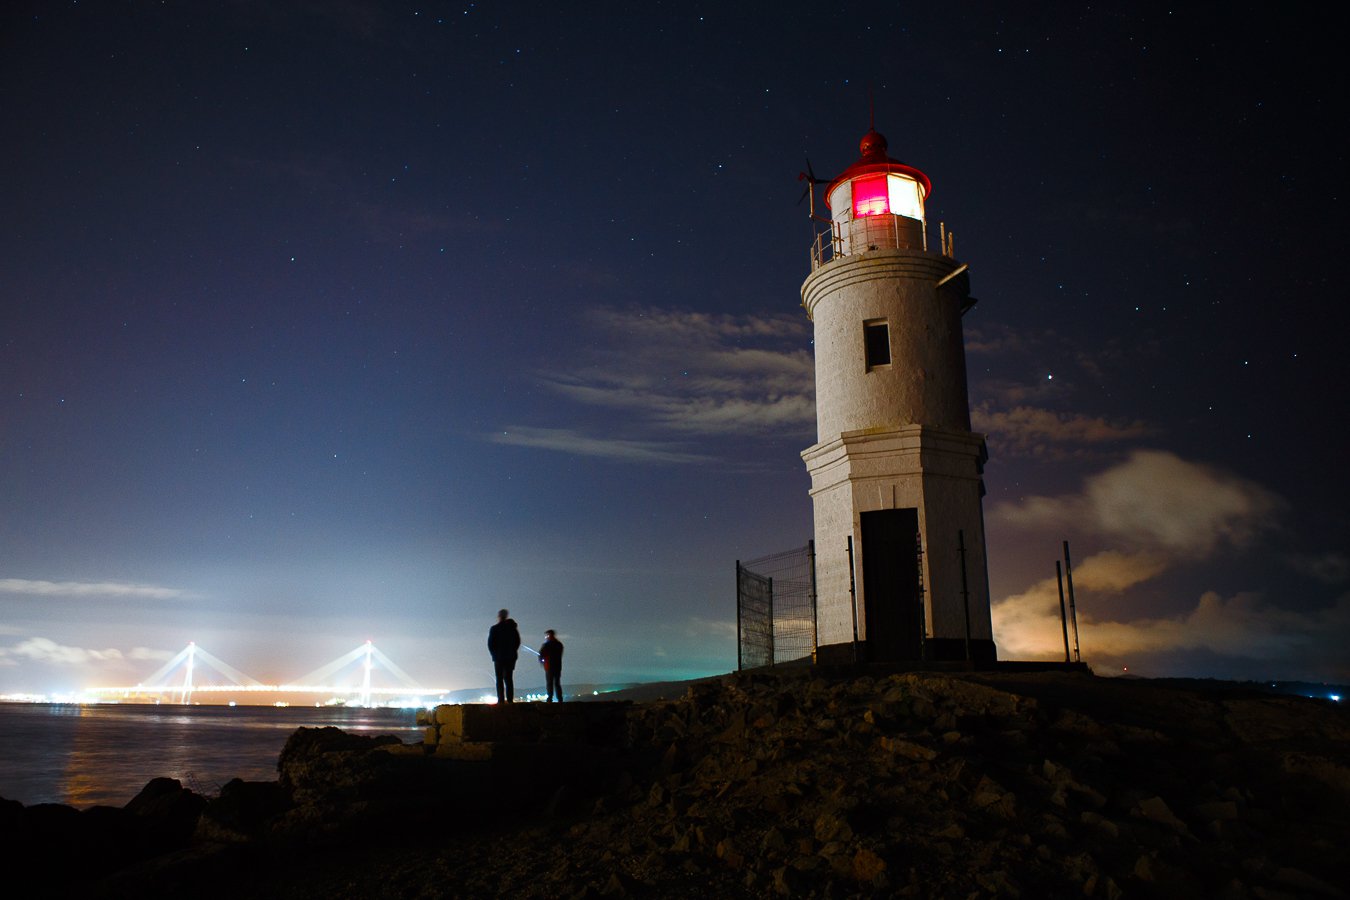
(910, 499)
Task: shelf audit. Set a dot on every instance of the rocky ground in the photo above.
(795, 783)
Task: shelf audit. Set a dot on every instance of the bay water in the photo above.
(103, 754)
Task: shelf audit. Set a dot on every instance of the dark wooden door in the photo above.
(891, 585)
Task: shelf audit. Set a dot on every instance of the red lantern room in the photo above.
(877, 202)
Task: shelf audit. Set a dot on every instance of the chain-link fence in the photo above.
(776, 608)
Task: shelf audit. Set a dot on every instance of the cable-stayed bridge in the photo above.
(347, 679)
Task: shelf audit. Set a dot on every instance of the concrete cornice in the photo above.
(875, 440)
(874, 264)
(912, 450)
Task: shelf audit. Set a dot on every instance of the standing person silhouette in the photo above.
(503, 642)
(550, 657)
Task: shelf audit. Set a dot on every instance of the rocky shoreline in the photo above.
(783, 783)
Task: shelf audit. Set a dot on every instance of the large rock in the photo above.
(243, 811)
(168, 811)
(73, 846)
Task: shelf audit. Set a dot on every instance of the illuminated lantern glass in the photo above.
(875, 195)
(904, 196)
(870, 196)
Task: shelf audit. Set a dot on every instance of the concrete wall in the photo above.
(895, 437)
(932, 470)
(925, 382)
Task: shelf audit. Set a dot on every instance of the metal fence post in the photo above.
(853, 597)
(815, 623)
(740, 663)
(1073, 609)
(965, 589)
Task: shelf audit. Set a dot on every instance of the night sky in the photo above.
(331, 321)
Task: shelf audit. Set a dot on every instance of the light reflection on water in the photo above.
(104, 754)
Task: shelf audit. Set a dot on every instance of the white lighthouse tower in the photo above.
(896, 473)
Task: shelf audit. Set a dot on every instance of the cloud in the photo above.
(90, 589)
(715, 628)
(699, 373)
(1028, 625)
(1245, 626)
(1029, 431)
(683, 326)
(43, 650)
(1030, 393)
(1157, 511)
(570, 441)
(1328, 568)
(677, 375)
(993, 340)
(1156, 500)
(1116, 571)
(150, 654)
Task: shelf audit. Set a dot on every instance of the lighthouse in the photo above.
(896, 472)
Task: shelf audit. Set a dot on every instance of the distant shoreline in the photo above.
(664, 690)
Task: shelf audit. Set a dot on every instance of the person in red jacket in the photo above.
(550, 657)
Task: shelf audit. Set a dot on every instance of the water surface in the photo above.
(103, 754)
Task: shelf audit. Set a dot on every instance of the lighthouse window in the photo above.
(877, 343)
